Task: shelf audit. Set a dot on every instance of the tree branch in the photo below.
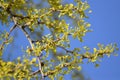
(35, 72)
(12, 28)
(31, 44)
(52, 71)
(27, 35)
(40, 67)
(56, 70)
(67, 51)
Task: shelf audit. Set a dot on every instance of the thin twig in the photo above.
(67, 51)
(27, 35)
(40, 68)
(51, 72)
(25, 32)
(35, 72)
(12, 28)
(31, 44)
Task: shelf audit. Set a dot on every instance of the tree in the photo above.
(42, 59)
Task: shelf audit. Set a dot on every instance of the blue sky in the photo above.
(105, 23)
